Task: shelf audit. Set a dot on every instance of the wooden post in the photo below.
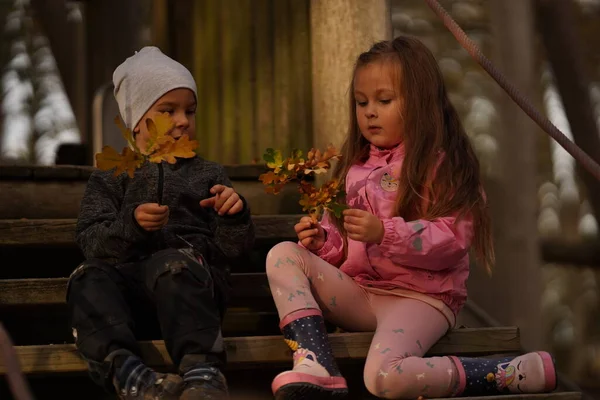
(340, 31)
(512, 294)
(557, 24)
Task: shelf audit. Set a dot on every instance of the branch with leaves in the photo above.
(298, 168)
(160, 147)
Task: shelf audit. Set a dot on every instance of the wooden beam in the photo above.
(246, 288)
(62, 358)
(578, 254)
(60, 232)
(240, 172)
(539, 396)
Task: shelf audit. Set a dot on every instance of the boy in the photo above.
(170, 258)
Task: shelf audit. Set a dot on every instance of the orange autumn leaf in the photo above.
(161, 146)
(170, 148)
(128, 161)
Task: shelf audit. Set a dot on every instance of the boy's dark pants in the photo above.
(111, 307)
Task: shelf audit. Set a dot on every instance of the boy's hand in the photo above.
(363, 226)
(151, 216)
(224, 201)
(311, 235)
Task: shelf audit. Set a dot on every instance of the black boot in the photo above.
(203, 380)
(134, 380)
(315, 374)
(528, 373)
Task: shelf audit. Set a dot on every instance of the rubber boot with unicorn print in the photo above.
(528, 373)
(315, 374)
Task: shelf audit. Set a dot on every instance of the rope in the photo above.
(578, 154)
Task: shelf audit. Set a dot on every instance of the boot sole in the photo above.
(550, 373)
(301, 391)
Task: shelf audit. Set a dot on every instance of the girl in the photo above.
(397, 261)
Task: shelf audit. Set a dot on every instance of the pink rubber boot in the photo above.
(315, 374)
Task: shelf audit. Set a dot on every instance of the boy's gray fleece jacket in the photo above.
(107, 229)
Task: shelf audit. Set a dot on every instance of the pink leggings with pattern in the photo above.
(404, 328)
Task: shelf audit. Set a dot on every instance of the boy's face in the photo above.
(181, 106)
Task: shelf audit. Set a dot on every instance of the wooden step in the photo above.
(246, 288)
(245, 351)
(542, 396)
(239, 172)
(254, 386)
(61, 232)
(55, 191)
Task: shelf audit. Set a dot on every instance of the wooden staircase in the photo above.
(38, 211)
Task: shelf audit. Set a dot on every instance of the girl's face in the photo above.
(181, 106)
(378, 104)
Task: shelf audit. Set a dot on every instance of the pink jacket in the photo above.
(429, 257)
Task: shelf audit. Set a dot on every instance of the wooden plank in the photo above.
(62, 199)
(60, 232)
(539, 396)
(75, 172)
(241, 351)
(40, 325)
(228, 13)
(263, 51)
(246, 288)
(282, 76)
(300, 80)
(37, 232)
(244, 115)
(581, 254)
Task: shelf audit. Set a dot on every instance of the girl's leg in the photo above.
(406, 329)
(300, 280)
(528, 373)
(303, 288)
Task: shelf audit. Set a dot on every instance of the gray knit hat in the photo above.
(144, 78)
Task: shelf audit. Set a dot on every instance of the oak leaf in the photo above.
(128, 161)
(274, 159)
(295, 168)
(127, 134)
(171, 148)
(159, 128)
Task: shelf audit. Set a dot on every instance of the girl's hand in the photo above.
(311, 235)
(363, 226)
(151, 216)
(224, 201)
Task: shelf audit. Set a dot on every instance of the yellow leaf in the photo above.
(127, 134)
(170, 148)
(127, 161)
(276, 163)
(158, 128)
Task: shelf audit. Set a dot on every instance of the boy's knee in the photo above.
(284, 254)
(91, 273)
